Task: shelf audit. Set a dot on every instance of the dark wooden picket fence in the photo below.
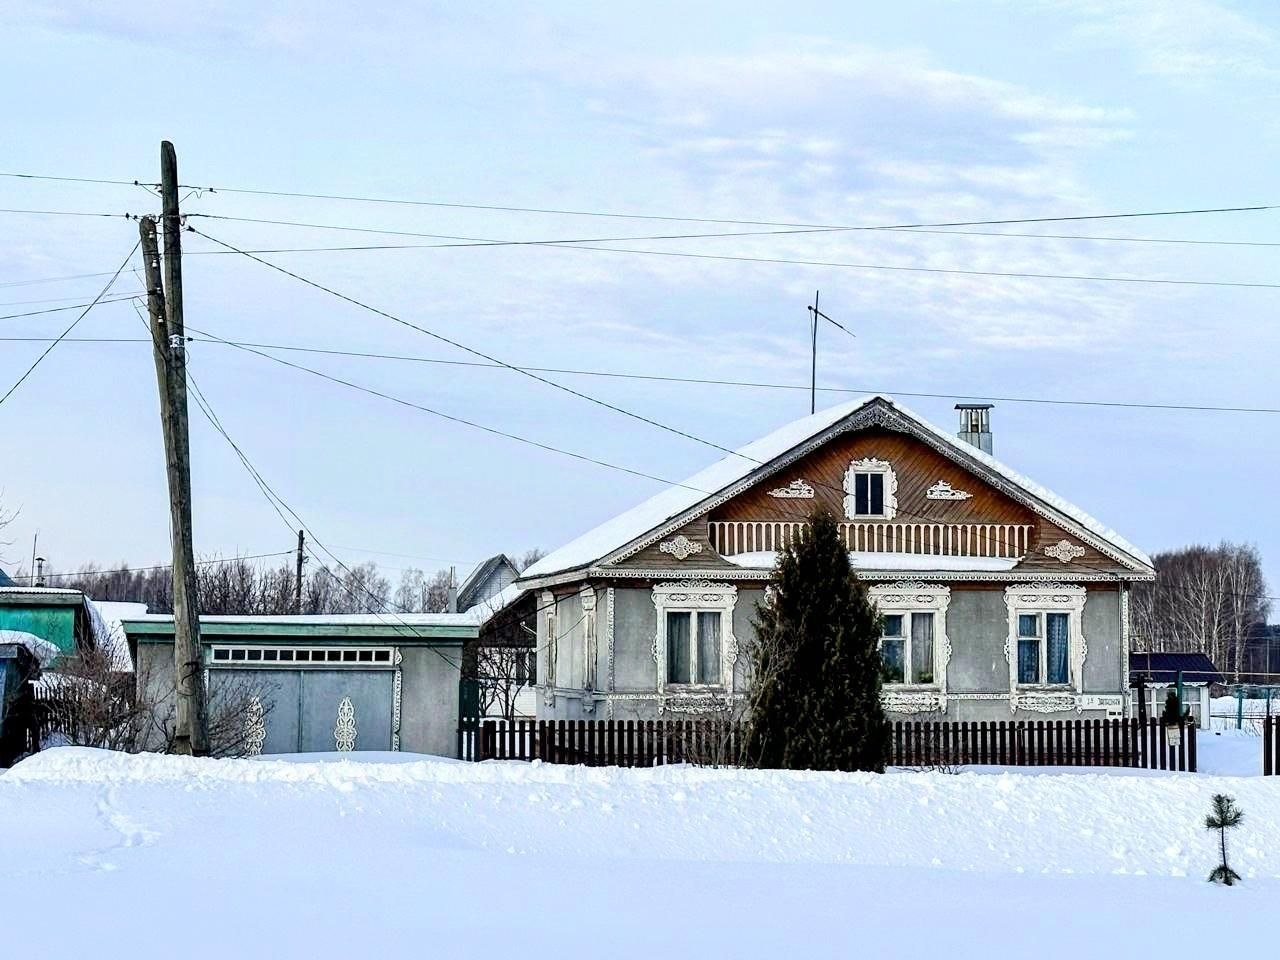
(647, 743)
(1042, 743)
(607, 743)
(1271, 746)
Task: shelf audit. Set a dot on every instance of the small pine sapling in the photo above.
(1172, 715)
(1224, 817)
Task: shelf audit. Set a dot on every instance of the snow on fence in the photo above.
(647, 743)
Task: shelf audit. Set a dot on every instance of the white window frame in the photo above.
(694, 597)
(870, 465)
(1039, 599)
(906, 598)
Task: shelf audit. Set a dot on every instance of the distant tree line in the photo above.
(239, 586)
(1211, 600)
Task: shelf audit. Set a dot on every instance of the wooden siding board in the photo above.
(917, 468)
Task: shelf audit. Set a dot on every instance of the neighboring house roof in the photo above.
(1196, 668)
(18, 594)
(6, 580)
(752, 462)
(480, 584)
(44, 651)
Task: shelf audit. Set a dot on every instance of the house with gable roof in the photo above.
(999, 599)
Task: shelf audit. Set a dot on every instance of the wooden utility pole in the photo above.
(164, 304)
(297, 578)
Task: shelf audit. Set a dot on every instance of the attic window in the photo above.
(870, 488)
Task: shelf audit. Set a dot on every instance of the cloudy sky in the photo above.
(831, 114)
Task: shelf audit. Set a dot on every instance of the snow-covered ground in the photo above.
(112, 855)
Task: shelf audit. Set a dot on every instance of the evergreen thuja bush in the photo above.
(1225, 816)
(814, 702)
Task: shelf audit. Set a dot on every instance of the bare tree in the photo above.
(418, 593)
(527, 559)
(503, 673)
(1206, 599)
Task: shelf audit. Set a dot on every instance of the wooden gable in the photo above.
(988, 523)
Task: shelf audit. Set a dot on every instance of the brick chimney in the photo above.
(975, 424)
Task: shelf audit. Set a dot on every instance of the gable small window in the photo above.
(868, 496)
(871, 489)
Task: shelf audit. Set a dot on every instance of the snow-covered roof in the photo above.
(766, 559)
(44, 651)
(321, 619)
(670, 503)
(486, 609)
(61, 592)
(107, 617)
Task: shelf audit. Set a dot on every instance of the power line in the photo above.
(74, 276)
(1075, 236)
(72, 326)
(74, 306)
(63, 213)
(741, 222)
(157, 566)
(669, 378)
(471, 350)
(516, 243)
(39, 176)
(463, 421)
(786, 261)
(79, 296)
(797, 231)
(507, 208)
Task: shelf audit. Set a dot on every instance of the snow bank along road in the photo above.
(108, 855)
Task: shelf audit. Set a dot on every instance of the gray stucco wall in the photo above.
(429, 701)
(977, 627)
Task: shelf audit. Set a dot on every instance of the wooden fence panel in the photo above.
(912, 743)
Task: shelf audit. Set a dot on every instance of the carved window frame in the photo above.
(694, 597)
(870, 465)
(1039, 599)
(906, 598)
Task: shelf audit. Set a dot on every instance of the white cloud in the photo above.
(1188, 40)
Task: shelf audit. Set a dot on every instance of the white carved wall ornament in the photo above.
(942, 490)
(1065, 551)
(896, 701)
(255, 727)
(681, 547)
(795, 490)
(1044, 598)
(397, 690)
(911, 596)
(871, 465)
(608, 639)
(344, 731)
(697, 704)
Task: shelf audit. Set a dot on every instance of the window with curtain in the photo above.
(893, 643)
(693, 647)
(907, 648)
(1057, 642)
(1044, 648)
